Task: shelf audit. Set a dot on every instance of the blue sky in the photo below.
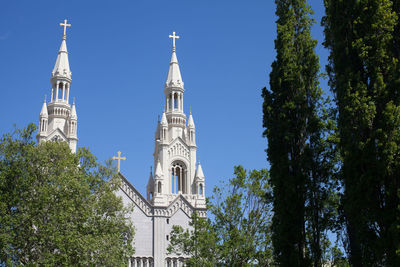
(119, 53)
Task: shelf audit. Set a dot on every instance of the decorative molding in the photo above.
(178, 149)
(179, 203)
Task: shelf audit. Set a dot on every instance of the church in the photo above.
(174, 191)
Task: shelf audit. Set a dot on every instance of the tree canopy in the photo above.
(301, 145)
(364, 74)
(59, 208)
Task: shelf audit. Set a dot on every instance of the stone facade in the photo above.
(176, 188)
(174, 191)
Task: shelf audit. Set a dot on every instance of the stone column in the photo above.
(63, 91)
(179, 101)
(182, 102)
(187, 183)
(167, 107)
(180, 181)
(52, 94)
(58, 86)
(67, 94)
(173, 101)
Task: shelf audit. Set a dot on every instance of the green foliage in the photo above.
(301, 143)
(59, 208)
(239, 235)
(242, 219)
(199, 242)
(363, 37)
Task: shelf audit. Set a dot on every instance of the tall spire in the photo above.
(61, 68)
(174, 78)
(58, 120)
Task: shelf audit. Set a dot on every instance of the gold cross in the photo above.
(65, 26)
(119, 158)
(173, 36)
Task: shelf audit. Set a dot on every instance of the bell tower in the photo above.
(58, 119)
(175, 147)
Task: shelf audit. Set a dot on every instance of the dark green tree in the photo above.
(301, 146)
(364, 71)
(59, 208)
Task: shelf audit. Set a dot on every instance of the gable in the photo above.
(57, 135)
(135, 196)
(178, 148)
(180, 203)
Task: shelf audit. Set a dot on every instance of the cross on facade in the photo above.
(119, 158)
(173, 36)
(65, 26)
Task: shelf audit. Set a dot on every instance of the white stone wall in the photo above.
(153, 225)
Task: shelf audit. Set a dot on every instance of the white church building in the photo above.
(174, 191)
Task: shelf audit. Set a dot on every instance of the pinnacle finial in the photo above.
(190, 109)
(73, 100)
(65, 25)
(45, 97)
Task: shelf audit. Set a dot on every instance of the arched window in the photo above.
(159, 187)
(201, 189)
(178, 178)
(60, 90)
(175, 101)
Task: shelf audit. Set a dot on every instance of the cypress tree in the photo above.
(297, 140)
(363, 38)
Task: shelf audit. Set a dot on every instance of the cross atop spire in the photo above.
(173, 36)
(65, 26)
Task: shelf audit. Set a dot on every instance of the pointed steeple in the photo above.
(190, 123)
(150, 182)
(73, 111)
(199, 172)
(158, 172)
(43, 112)
(61, 68)
(164, 121)
(174, 78)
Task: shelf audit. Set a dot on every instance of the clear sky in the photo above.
(119, 53)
